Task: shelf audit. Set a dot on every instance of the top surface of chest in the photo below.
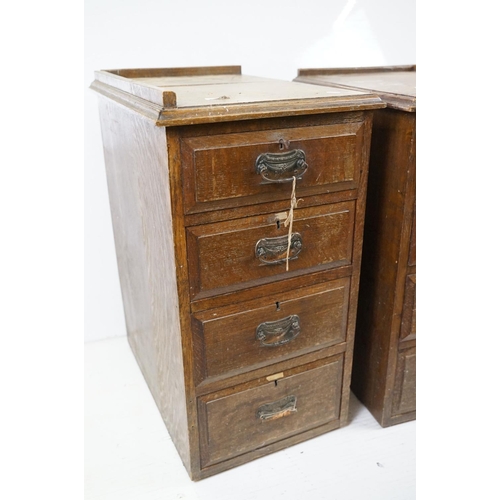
(396, 85)
(186, 96)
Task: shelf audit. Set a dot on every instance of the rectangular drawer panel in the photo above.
(236, 339)
(252, 251)
(406, 382)
(220, 170)
(409, 316)
(234, 421)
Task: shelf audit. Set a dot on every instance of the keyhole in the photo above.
(282, 144)
(275, 383)
(277, 306)
(278, 224)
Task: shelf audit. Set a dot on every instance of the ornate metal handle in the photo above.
(275, 333)
(281, 167)
(273, 250)
(277, 409)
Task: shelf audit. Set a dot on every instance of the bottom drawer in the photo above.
(404, 399)
(242, 419)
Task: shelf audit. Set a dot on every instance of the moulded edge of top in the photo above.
(161, 105)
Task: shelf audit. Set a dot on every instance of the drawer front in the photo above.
(232, 423)
(222, 171)
(406, 382)
(409, 317)
(229, 255)
(250, 335)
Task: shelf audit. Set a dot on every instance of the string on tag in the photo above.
(289, 219)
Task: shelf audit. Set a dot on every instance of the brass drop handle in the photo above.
(281, 167)
(277, 409)
(273, 250)
(276, 333)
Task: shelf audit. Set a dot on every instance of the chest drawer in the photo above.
(238, 420)
(252, 251)
(234, 169)
(250, 335)
(409, 315)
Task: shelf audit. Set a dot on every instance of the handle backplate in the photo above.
(281, 167)
(277, 409)
(276, 333)
(273, 250)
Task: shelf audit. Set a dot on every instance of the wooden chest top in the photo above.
(186, 96)
(396, 85)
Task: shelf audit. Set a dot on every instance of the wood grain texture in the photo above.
(404, 399)
(137, 172)
(223, 255)
(165, 96)
(387, 242)
(331, 153)
(191, 212)
(387, 311)
(270, 289)
(227, 336)
(356, 265)
(230, 426)
(408, 319)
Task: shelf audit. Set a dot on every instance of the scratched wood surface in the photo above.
(211, 98)
(217, 90)
(129, 454)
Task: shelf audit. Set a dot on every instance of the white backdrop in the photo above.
(267, 38)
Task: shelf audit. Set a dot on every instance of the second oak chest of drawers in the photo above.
(240, 316)
(384, 368)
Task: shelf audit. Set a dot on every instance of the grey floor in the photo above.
(129, 453)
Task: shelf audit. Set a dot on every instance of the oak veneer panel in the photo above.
(404, 400)
(331, 152)
(409, 317)
(223, 254)
(226, 338)
(229, 415)
(137, 173)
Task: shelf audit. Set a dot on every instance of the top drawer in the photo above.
(219, 171)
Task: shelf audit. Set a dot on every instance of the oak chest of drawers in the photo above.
(242, 355)
(384, 367)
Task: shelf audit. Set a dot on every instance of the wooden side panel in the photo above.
(228, 344)
(404, 399)
(137, 171)
(387, 234)
(223, 255)
(240, 420)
